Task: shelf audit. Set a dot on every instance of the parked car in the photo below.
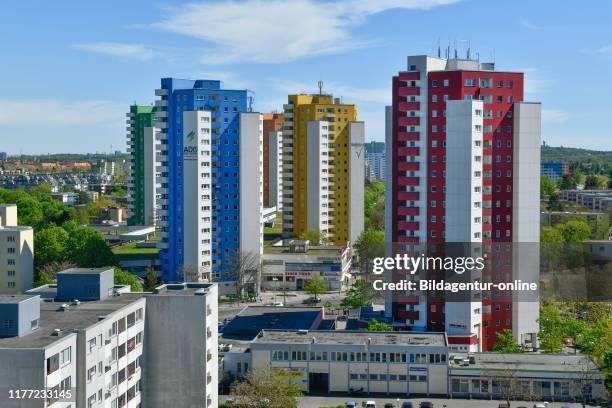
(370, 404)
(407, 404)
(426, 404)
(351, 404)
(389, 405)
(503, 405)
(541, 405)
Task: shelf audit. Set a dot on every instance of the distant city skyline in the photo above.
(67, 91)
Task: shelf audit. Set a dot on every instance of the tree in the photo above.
(567, 182)
(509, 384)
(125, 278)
(374, 204)
(190, 273)
(315, 237)
(88, 249)
(360, 294)
(547, 186)
(554, 204)
(369, 245)
(505, 342)
(268, 389)
(594, 182)
(315, 286)
(51, 269)
(50, 246)
(551, 334)
(151, 281)
(377, 326)
(575, 231)
(244, 269)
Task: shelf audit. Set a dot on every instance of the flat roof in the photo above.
(251, 320)
(14, 299)
(15, 228)
(83, 271)
(273, 249)
(75, 318)
(182, 289)
(345, 337)
(526, 362)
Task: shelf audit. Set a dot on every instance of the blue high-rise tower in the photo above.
(199, 175)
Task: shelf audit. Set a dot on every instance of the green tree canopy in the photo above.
(50, 244)
(575, 231)
(314, 236)
(505, 343)
(268, 389)
(360, 294)
(547, 186)
(369, 245)
(125, 278)
(375, 325)
(315, 286)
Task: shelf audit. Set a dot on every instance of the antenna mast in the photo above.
(320, 85)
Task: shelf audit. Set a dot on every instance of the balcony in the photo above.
(407, 225)
(408, 151)
(288, 106)
(408, 240)
(409, 76)
(161, 92)
(409, 106)
(408, 166)
(408, 181)
(408, 195)
(408, 210)
(406, 315)
(409, 91)
(161, 103)
(408, 136)
(408, 121)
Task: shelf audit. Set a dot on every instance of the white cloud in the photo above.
(606, 50)
(276, 30)
(123, 50)
(530, 26)
(554, 115)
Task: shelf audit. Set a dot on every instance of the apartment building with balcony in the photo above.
(16, 253)
(273, 160)
(79, 335)
(209, 177)
(375, 160)
(323, 168)
(141, 174)
(182, 370)
(463, 166)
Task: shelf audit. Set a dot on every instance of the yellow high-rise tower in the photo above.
(323, 168)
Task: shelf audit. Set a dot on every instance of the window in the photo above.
(53, 363)
(434, 83)
(446, 82)
(91, 344)
(434, 98)
(90, 373)
(65, 356)
(468, 82)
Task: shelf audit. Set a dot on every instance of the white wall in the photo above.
(251, 183)
(150, 182)
(357, 180)
(197, 223)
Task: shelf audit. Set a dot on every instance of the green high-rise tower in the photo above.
(141, 147)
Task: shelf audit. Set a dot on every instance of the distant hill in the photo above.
(588, 161)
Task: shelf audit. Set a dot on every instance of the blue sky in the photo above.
(70, 69)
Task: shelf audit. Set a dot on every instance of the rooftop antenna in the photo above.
(455, 46)
(439, 51)
(468, 50)
(320, 85)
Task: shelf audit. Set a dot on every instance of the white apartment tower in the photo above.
(16, 253)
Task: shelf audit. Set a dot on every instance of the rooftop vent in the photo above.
(64, 307)
(56, 332)
(302, 331)
(313, 340)
(76, 302)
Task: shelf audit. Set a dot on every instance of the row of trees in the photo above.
(60, 241)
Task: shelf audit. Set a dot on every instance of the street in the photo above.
(321, 402)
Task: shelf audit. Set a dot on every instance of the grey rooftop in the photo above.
(526, 362)
(345, 337)
(77, 317)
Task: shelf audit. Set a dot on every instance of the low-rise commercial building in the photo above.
(526, 376)
(292, 265)
(371, 362)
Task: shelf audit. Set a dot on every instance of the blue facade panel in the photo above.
(225, 107)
